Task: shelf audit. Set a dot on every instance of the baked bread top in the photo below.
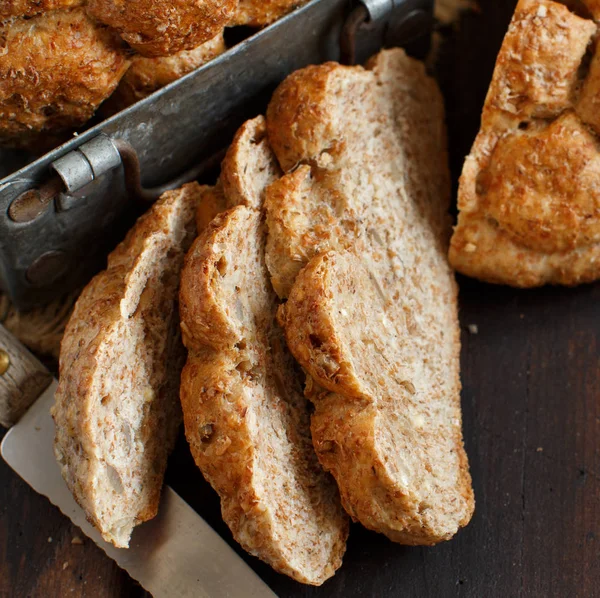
(146, 75)
(56, 68)
(528, 197)
(358, 232)
(245, 416)
(29, 8)
(258, 13)
(116, 407)
(164, 27)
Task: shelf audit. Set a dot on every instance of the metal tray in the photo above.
(181, 126)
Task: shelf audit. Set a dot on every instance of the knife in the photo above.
(176, 554)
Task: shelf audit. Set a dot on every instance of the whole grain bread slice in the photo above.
(245, 416)
(373, 316)
(117, 410)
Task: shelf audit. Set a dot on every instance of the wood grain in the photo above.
(531, 404)
(22, 379)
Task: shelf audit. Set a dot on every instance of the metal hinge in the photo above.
(403, 20)
(90, 161)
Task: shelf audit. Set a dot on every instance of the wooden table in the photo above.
(531, 404)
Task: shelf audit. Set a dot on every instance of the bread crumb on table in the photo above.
(473, 328)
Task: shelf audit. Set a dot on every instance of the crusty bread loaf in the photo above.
(529, 196)
(117, 410)
(56, 68)
(373, 316)
(245, 416)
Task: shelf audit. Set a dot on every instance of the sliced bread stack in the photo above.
(356, 192)
(244, 412)
(324, 240)
(358, 233)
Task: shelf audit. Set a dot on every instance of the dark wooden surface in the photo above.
(531, 404)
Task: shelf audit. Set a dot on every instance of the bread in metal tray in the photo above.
(164, 27)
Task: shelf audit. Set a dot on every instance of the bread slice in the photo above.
(245, 416)
(373, 315)
(117, 410)
(528, 197)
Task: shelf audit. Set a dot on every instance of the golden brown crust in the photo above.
(528, 199)
(536, 69)
(120, 361)
(29, 8)
(55, 70)
(147, 75)
(299, 102)
(164, 27)
(373, 322)
(258, 13)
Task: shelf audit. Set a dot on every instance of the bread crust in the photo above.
(358, 232)
(163, 27)
(57, 68)
(529, 207)
(258, 13)
(116, 407)
(147, 75)
(29, 8)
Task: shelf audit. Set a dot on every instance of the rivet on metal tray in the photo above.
(4, 362)
(47, 269)
(34, 202)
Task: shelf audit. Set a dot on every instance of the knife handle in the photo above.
(22, 379)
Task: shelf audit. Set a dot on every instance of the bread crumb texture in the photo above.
(358, 235)
(245, 415)
(529, 194)
(116, 407)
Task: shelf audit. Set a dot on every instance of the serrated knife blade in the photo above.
(175, 555)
